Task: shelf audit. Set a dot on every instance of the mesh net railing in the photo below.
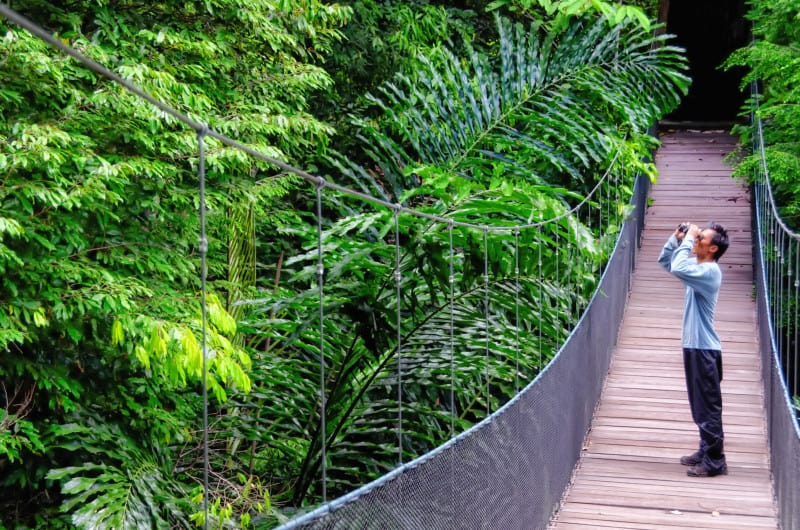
(507, 298)
(777, 266)
(510, 470)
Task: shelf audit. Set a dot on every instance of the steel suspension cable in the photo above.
(398, 279)
(452, 281)
(796, 285)
(201, 175)
(516, 311)
(322, 404)
(452, 370)
(558, 282)
(486, 316)
(541, 295)
(776, 235)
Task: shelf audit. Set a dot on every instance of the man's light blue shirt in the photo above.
(702, 281)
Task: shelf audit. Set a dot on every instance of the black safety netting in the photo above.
(510, 470)
(782, 425)
(784, 436)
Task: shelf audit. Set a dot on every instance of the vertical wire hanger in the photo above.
(516, 308)
(796, 285)
(397, 279)
(541, 290)
(322, 404)
(486, 314)
(452, 281)
(201, 170)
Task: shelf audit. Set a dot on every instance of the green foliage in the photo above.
(551, 111)
(17, 435)
(382, 39)
(100, 307)
(555, 15)
(120, 485)
(497, 139)
(773, 60)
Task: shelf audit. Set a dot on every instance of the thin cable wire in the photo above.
(774, 232)
(781, 298)
(541, 298)
(201, 174)
(320, 283)
(558, 300)
(796, 285)
(570, 290)
(516, 309)
(452, 280)
(397, 279)
(486, 315)
(452, 373)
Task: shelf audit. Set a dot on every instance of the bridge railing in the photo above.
(511, 469)
(777, 269)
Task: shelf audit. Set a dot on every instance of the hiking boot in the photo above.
(701, 471)
(692, 459)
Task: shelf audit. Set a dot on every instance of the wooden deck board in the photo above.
(629, 475)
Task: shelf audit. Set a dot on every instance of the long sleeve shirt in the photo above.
(702, 281)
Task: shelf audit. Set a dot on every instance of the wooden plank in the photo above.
(629, 475)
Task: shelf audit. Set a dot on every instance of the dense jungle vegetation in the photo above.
(503, 113)
(773, 61)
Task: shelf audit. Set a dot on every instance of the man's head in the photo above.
(711, 242)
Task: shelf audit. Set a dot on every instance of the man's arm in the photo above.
(665, 259)
(702, 279)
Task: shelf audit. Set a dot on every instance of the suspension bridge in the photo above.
(628, 475)
(594, 440)
(530, 465)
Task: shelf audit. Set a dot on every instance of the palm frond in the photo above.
(564, 94)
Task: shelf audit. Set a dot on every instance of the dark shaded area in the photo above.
(709, 30)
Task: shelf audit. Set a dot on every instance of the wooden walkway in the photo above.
(629, 475)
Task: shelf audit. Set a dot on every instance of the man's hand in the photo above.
(679, 234)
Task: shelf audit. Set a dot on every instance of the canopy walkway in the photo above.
(628, 475)
(515, 469)
(594, 440)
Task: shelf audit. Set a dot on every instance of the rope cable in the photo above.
(779, 276)
(796, 285)
(541, 296)
(201, 173)
(559, 283)
(452, 375)
(486, 315)
(398, 279)
(516, 310)
(320, 283)
(452, 338)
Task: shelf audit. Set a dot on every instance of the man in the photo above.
(702, 352)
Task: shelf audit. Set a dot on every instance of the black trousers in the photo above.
(703, 377)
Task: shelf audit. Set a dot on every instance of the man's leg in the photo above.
(692, 389)
(703, 377)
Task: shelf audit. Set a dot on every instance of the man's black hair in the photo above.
(720, 239)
